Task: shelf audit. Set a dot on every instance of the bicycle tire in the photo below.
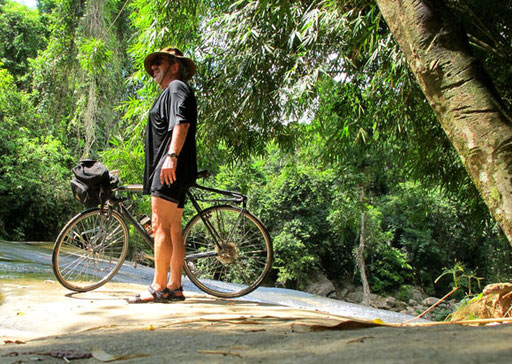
(90, 250)
(243, 263)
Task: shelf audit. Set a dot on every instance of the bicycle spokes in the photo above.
(239, 253)
(90, 250)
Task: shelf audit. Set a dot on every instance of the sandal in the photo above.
(174, 294)
(158, 297)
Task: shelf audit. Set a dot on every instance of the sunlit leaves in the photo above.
(32, 168)
(22, 35)
(262, 50)
(94, 56)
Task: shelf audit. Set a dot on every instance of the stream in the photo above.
(20, 260)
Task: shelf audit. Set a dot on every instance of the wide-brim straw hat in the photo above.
(185, 61)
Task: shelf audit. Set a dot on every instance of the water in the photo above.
(33, 261)
(25, 260)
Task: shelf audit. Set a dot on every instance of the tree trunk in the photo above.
(360, 256)
(461, 94)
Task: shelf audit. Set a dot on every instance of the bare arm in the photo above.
(168, 172)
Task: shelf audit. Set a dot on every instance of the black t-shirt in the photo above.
(175, 105)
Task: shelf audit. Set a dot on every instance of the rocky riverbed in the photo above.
(415, 303)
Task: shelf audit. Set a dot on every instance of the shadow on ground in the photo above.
(50, 323)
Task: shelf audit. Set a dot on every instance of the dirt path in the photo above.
(49, 323)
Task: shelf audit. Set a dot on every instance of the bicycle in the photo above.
(228, 250)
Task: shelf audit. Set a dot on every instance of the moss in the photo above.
(495, 194)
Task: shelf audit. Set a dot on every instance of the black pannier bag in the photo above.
(92, 183)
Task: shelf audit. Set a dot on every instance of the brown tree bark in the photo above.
(461, 94)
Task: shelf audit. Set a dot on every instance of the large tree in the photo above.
(461, 94)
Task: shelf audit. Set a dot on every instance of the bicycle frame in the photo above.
(232, 197)
(236, 197)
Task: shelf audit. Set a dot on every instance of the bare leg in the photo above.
(178, 253)
(169, 249)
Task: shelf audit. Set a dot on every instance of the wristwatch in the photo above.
(173, 155)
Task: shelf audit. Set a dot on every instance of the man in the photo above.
(170, 168)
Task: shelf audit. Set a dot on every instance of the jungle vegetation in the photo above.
(310, 107)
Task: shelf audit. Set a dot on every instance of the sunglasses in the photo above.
(157, 61)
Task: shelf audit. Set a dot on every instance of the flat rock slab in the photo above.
(44, 322)
(33, 309)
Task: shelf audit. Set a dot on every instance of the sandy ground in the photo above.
(42, 322)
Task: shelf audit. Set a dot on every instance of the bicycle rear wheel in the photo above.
(241, 262)
(90, 249)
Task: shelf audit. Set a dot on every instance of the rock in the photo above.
(429, 301)
(411, 311)
(343, 289)
(399, 306)
(498, 288)
(390, 301)
(379, 303)
(495, 303)
(320, 285)
(344, 292)
(417, 294)
(356, 296)
(418, 303)
(333, 295)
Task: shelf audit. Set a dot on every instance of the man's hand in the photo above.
(168, 172)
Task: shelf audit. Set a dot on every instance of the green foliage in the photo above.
(94, 56)
(86, 62)
(299, 201)
(266, 66)
(496, 261)
(313, 215)
(54, 71)
(462, 277)
(22, 35)
(388, 267)
(434, 231)
(33, 170)
(293, 202)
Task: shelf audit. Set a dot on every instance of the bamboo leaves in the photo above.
(94, 56)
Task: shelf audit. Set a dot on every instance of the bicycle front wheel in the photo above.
(228, 251)
(90, 249)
